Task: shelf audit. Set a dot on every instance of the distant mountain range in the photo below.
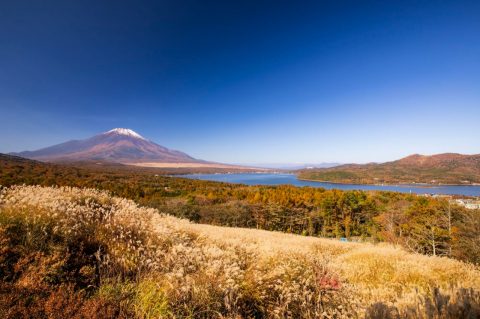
(448, 168)
(119, 145)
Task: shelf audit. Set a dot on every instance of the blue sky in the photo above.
(245, 82)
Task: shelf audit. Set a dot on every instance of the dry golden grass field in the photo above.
(82, 253)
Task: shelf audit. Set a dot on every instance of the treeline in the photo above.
(421, 224)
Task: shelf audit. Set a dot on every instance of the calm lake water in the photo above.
(279, 179)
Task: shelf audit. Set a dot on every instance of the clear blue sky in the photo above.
(245, 82)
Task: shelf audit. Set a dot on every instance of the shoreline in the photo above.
(425, 185)
(472, 191)
(419, 185)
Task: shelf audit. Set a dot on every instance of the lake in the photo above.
(291, 179)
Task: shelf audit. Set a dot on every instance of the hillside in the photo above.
(448, 168)
(75, 253)
(403, 219)
(18, 167)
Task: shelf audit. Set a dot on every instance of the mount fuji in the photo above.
(120, 145)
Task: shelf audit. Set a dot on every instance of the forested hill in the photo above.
(448, 168)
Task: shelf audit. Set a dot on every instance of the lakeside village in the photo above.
(468, 203)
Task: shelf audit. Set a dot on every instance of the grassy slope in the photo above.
(442, 168)
(376, 268)
(134, 262)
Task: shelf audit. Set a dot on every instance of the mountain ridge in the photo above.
(444, 168)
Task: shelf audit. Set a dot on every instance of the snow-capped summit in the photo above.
(120, 145)
(126, 131)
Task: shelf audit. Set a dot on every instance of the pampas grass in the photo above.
(159, 266)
